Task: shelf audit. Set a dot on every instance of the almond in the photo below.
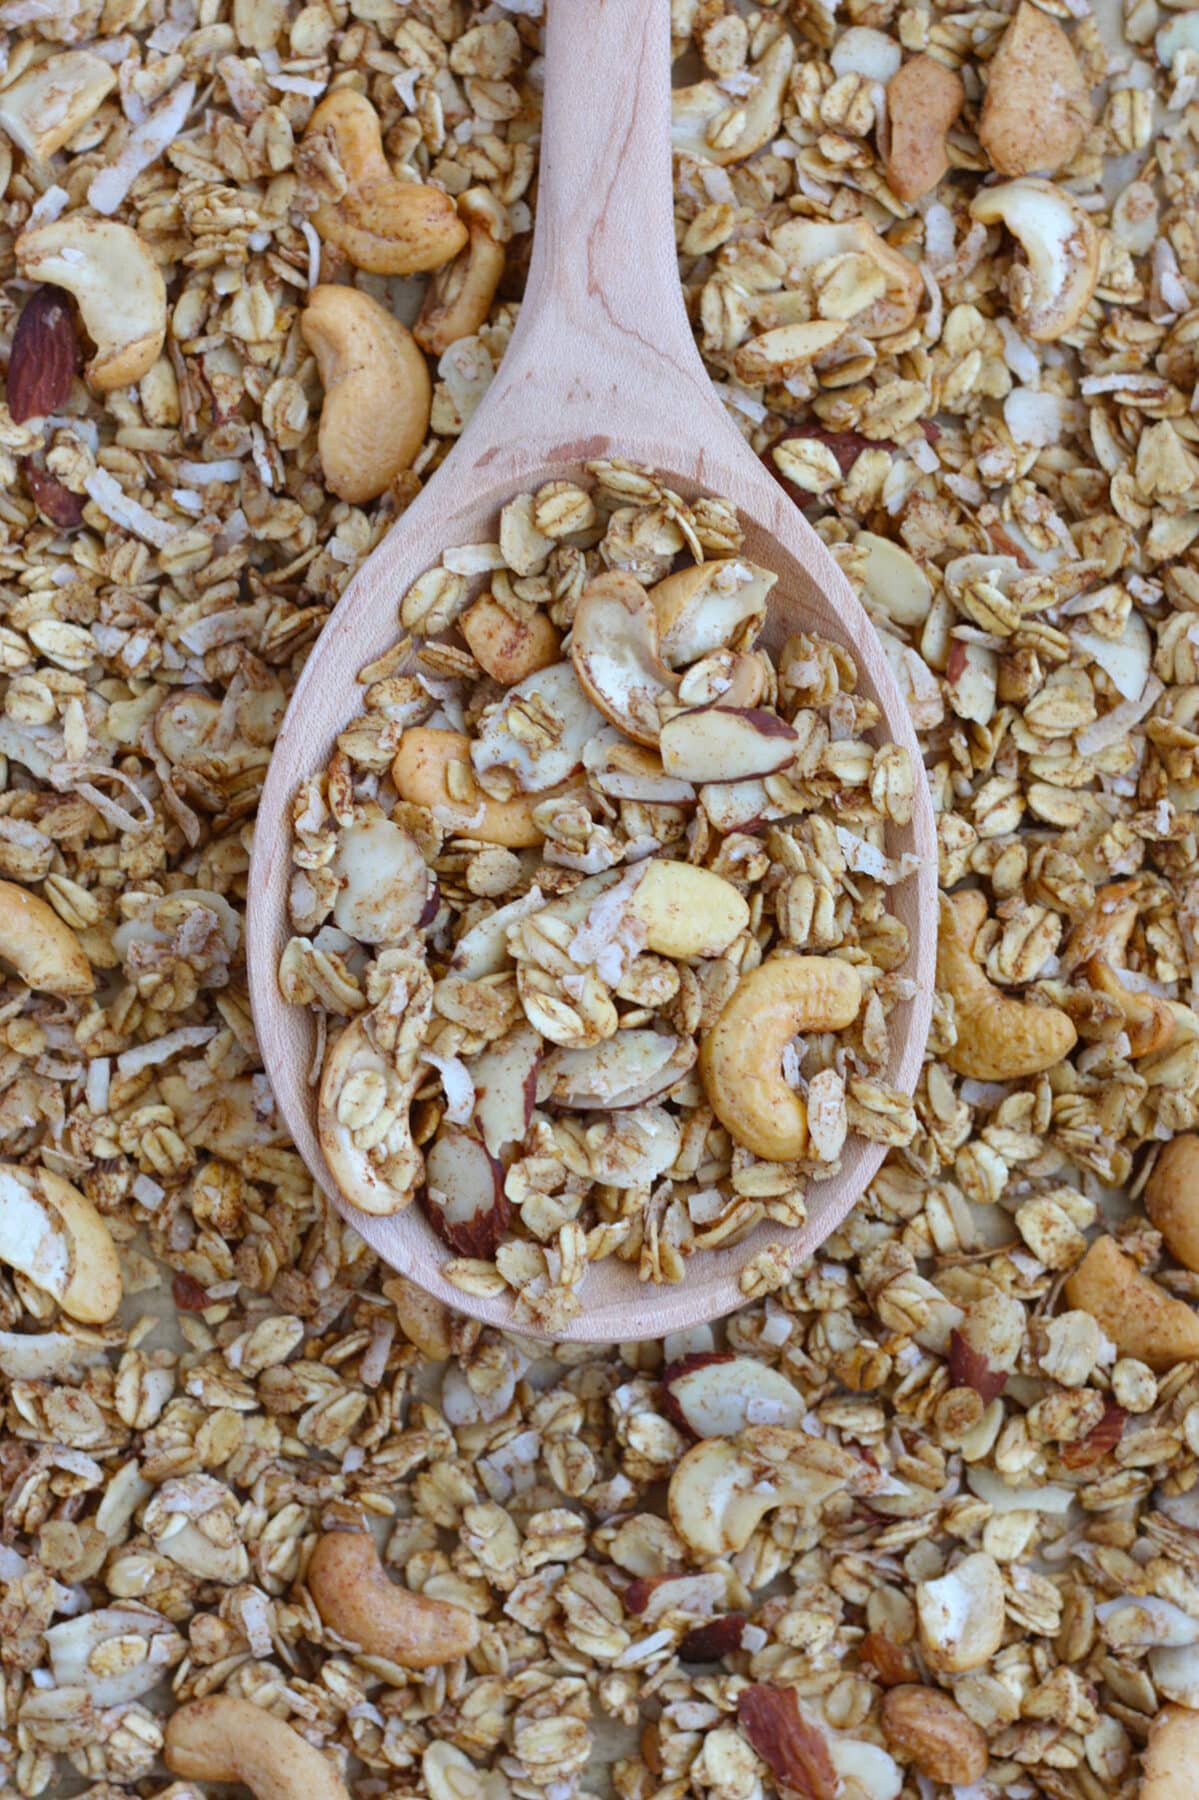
(464, 1194)
(796, 1754)
(44, 356)
(56, 502)
(713, 1640)
(927, 1728)
(1099, 1442)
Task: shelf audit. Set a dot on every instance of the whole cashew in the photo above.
(998, 1038)
(387, 226)
(460, 295)
(1172, 1198)
(118, 288)
(224, 1739)
(421, 773)
(54, 1236)
(1096, 948)
(1171, 1755)
(41, 947)
(740, 1058)
(356, 1599)
(1141, 1319)
(377, 391)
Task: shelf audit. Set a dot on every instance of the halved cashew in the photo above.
(53, 1234)
(725, 1486)
(923, 100)
(1148, 1020)
(387, 226)
(1172, 1198)
(1038, 104)
(432, 768)
(1140, 1317)
(41, 947)
(708, 123)
(47, 105)
(460, 295)
(377, 391)
(356, 1599)
(999, 1038)
(224, 1739)
(741, 1057)
(117, 285)
(688, 911)
(808, 245)
(1096, 949)
(614, 649)
(424, 1321)
(1171, 1755)
(702, 608)
(510, 639)
(1050, 294)
(369, 1078)
(385, 885)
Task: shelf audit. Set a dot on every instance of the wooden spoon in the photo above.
(602, 362)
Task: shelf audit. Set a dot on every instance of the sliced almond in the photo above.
(53, 1235)
(614, 649)
(727, 678)
(736, 805)
(894, 580)
(1124, 660)
(626, 1070)
(464, 1193)
(505, 1083)
(628, 771)
(483, 950)
(702, 609)
(720, 1395)
(714, 743)
(385, 881)
(1050, 295)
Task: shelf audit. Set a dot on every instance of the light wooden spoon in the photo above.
(602, 362)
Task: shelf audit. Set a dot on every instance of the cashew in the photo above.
(1172, 1198)
(999, 1038)
(49, 103)
(1171, 1755)
(421, 772)
(367, 1085)
(54, 1236)
(1050, 294)
(387, 226)
(961, 1616)
(377, 391)
(614, 649)
(1038, 104)
(807, 244)
(118, 288)
(707, 123)
(41, 947)
(223, 1739)
(741, 1057)
(1148, 1020)
(923, 100)
(688, 911)
(725, 1486)
(510, 639)
(356, 1599)
(1141, 1319)
(460, 295)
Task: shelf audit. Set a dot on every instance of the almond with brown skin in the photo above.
(56, 502)
(796, 1754)
(967, 1368)
(1100, 1441)
(44, 355)
(714, 1640)
(928, 1729)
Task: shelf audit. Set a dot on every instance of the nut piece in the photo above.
(362, 1115)
(726, 743)
(707, 123)
(53, 1235)
(387, 226)
(510, 639)
(223, 1739)
(424, 1321)
(999, 1038)
(460, 295)
(724, 1487)
(714, 1394)
(1171, 1755)
(118, 288)
(1038, 105)
(961, 1615)
(702, 608)
(923, 100)
(429, 760)
(809, 245)
(46, 106)
(927, 1728)
(1172, 1198)
(377, 391)
(384, 881)
(614, 649)
(41, 947)
(356, 1599)
(688, 911)
(1141, 1319)
(741, 1057)
(1051, 294)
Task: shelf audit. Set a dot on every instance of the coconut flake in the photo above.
(459, 1088)
(116, 505)
(1116, 724)
(141, 148)
(204, 474)
(611, 935)
(160, 1050)
(49, 206)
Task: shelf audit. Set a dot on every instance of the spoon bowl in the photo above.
(602, 363)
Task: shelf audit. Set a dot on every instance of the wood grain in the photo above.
(602, 362)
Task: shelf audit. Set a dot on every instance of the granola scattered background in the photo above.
(983, 1488)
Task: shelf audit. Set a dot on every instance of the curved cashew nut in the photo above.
(356, 1599)
(998, 1038)
(421, 771)
(460, 295)
(1141, 1319)
(1062, 247)
(224, 1739)
(724, 1486)
(118, 288)
(387, 226)
(53, 1234)
(741, 1057)
(1096, 948)
(41, 947)
(362, 1120)
(1172, 1198)
(1171, 1755)
(377, 391)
